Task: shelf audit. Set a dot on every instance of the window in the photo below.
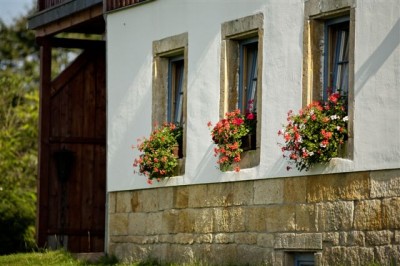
(169, 86)
(175, 90)
(303, 259)
(248, 75)
(336, 74)
(328, 64)
(241, 65)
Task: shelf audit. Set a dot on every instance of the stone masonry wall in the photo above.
(343, 219)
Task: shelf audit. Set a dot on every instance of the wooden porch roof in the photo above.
(54, 16)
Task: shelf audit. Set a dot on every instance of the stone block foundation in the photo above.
(341, 219)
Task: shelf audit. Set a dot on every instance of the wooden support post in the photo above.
(44, 148)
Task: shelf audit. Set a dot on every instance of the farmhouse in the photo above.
(188, 63)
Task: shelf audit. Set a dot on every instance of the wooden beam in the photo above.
(69, 22)
(71, 43)
(44, 148)
(77, 140)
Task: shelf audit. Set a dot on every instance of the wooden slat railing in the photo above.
(115, 4)
(45, 4)
(110, 4)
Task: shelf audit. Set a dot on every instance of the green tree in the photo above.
(19, 101)
(19, 107)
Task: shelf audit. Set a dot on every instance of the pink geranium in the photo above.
(315, 134)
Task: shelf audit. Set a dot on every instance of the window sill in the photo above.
(250, 158)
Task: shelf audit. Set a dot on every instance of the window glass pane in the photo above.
(336, 56)
(305, 259)
(175, 90)
(248, 75)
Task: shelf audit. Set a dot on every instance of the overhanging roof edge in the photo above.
(60, 11)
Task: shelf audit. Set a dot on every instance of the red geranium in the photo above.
(227, 134)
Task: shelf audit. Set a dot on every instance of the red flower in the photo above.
(334, 97)
(250, 116)
(287, 137)
(238, 121)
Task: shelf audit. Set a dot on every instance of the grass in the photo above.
(50, 258)
(64, 258)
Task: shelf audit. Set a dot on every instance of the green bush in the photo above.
(17, 219)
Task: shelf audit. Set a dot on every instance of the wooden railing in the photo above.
(110, 4)
(45, 4)
(115, 4)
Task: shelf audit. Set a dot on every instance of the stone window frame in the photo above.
(232, 33)
(316, 14)
(163, 51)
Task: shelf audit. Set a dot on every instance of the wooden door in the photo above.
(73, 163)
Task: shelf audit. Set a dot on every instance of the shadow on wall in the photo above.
(378, 57)
(130, 110)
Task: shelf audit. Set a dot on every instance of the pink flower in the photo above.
(313, 117)
(324, 143)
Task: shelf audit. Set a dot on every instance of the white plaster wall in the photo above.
(130, 33)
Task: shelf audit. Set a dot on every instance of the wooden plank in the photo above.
(77, 89)
(74, 198)
(88, 129)
(87, 204)
(54, 199)
(89, 100)
(98, 244)
(74, 244)
(77, 140)
(61, 81)
(55, 117)
(100, 121)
